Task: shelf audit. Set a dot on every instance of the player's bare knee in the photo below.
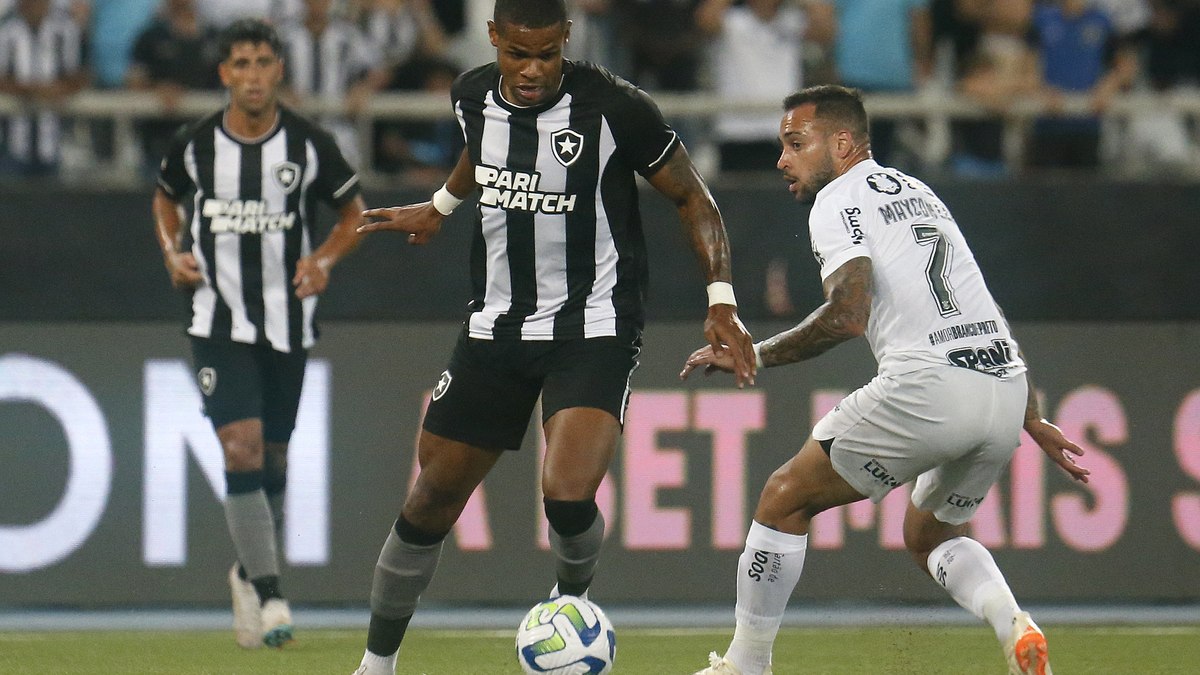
(242, 454)
(432, 508)
(923, 533)
(567, 490)
(783, 499)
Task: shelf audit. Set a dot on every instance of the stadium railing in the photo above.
(121, 164)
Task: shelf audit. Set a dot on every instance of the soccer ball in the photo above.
(566, 635)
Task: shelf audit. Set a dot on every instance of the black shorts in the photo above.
(486, 395)
(241, 381)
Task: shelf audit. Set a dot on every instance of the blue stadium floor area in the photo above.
(677, 616)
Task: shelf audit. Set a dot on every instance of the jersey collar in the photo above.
(862, 168)
(568, 66)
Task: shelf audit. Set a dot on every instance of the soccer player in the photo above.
(945, 410)
(251, 175)
(558, 267)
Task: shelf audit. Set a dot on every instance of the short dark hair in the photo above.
(530, 13)
(254, 31)
(838, 104)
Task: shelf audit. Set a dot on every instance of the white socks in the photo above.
(768, 571)
(378, 665)
(969, 573)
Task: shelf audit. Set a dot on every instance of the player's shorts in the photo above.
(953, 430)
(241, 381)
(488, 392)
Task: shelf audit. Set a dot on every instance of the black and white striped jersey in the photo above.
(558, 249)
(253, 206)
(42, 55)
(325, 65)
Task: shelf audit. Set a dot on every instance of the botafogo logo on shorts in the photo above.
(443, 384)
(207, 378)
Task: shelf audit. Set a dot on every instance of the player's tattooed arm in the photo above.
(844, 316)
(679, 181)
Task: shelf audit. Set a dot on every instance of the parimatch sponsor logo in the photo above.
(518, 191)
(244, 216)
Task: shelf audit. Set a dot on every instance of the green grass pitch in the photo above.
(874, 650)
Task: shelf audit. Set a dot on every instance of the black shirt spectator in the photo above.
(175, 54)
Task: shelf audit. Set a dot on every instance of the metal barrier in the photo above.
(934, 111)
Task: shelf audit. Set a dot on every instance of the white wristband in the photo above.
(444, 202)
(758, 355)
(721, 293)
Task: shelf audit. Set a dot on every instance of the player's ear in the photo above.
(494, 34)
(843, 143)
(567, 31)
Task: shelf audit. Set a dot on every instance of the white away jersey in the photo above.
(930, 305)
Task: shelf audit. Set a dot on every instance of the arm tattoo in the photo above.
(844, 315)
(679, 182)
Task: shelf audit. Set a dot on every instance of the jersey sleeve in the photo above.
(336, 181)
(642, 136)
(836, 226)
(173, 177)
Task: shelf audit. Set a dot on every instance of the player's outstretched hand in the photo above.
(1057, 447)
(709, 360)
(420, 221)
(727, 337)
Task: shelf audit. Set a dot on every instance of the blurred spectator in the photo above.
(409, 37)
(452, 14)
(665, 50)
(1170, 45)
(401, 30)
(42, 62)
(470, 47)
(112, 30)
(1001, 70)
(221, 13)
(884, 47)
(664, 43)
(175, 54)
(79, 10)
(1169, 55)
(1127, 16)
(328, 59)
(956, 26)
(420, 151)
(757, 57)
(595, 36)
(1080, 54)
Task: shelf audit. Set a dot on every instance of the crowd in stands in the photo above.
(998, 53)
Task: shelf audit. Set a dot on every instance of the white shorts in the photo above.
(952, 429)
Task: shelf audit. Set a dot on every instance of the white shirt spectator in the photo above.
(757, 60)
(221, 13)
(38, 56)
